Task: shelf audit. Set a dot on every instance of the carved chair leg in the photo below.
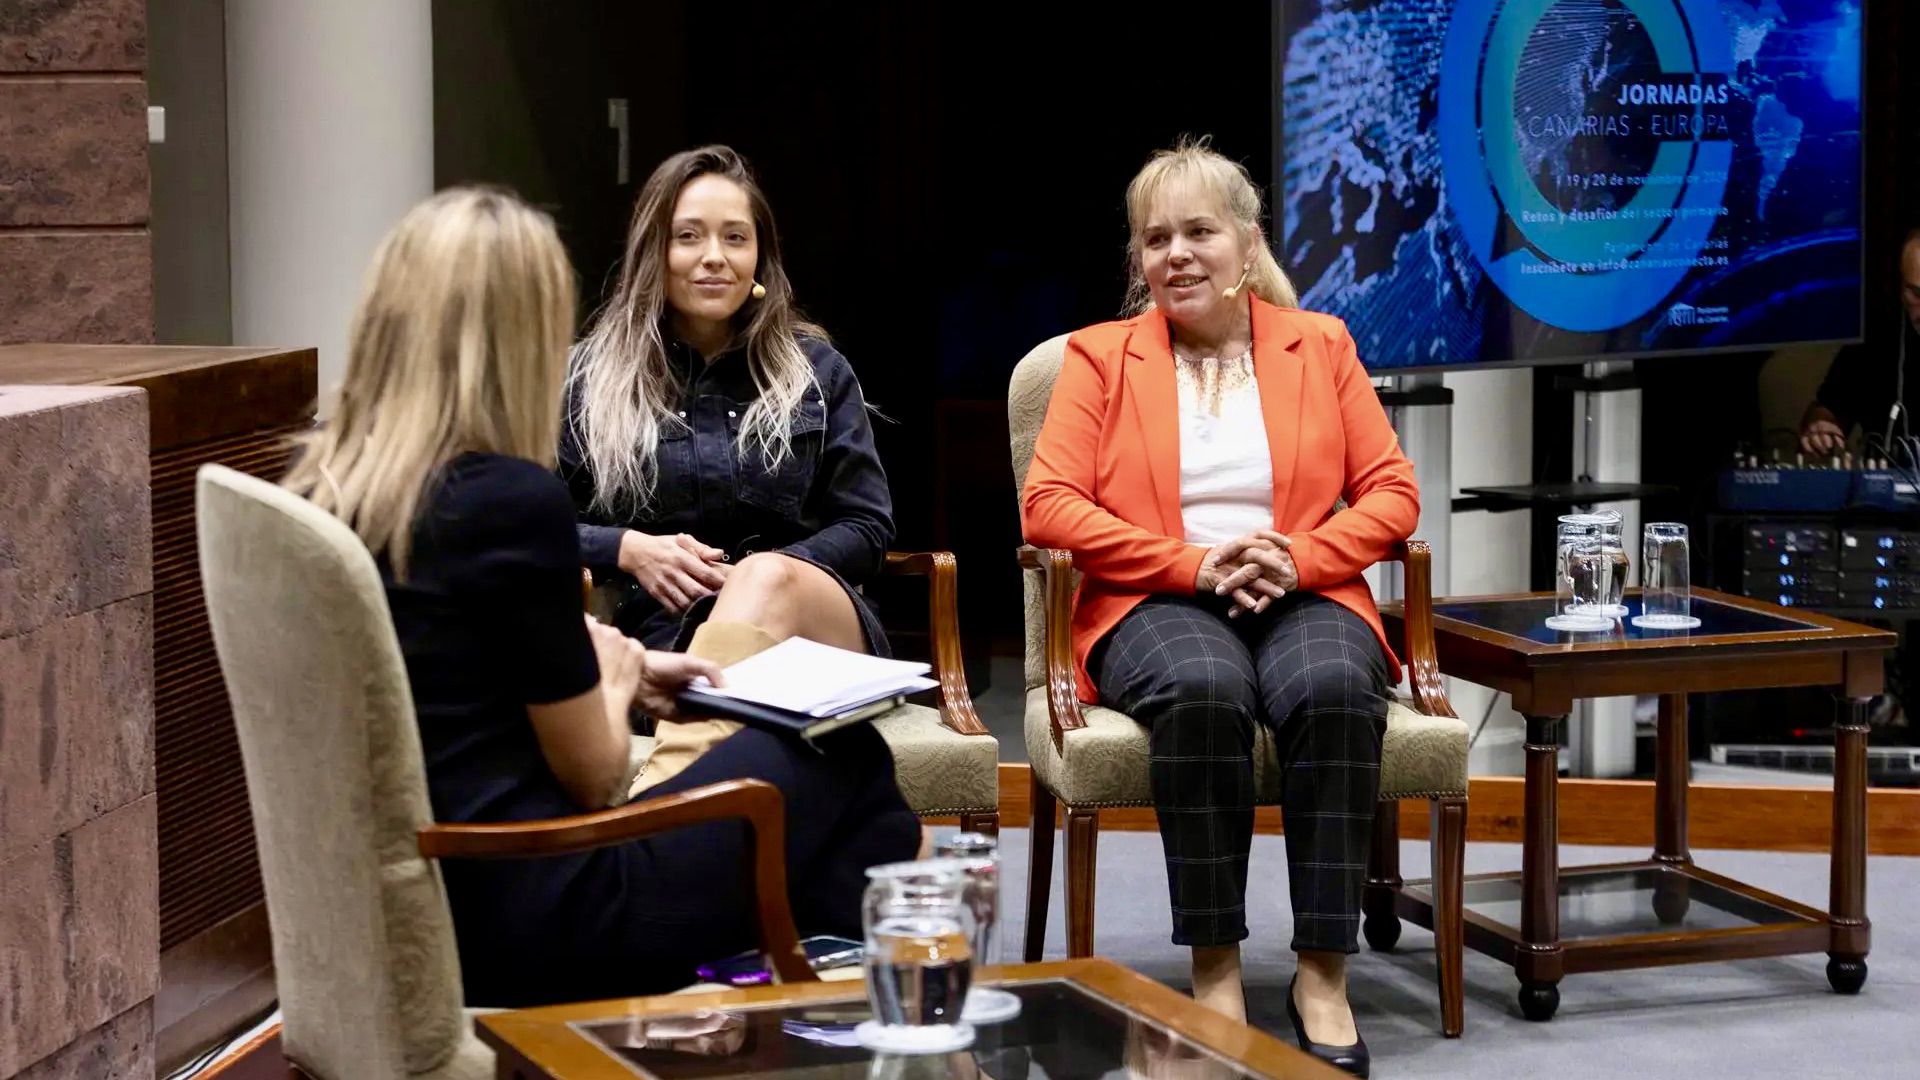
(1382, 924)
(1039, 866)
(981, 823)
(1449, 849)
(1083, 841)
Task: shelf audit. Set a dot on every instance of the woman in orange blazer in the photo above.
(1222, 471)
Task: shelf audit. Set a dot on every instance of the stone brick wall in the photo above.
(76, 261)
(79, 871)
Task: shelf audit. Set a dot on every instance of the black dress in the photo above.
(827, 503)
(489, 621)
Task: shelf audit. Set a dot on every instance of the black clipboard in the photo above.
(702, 705)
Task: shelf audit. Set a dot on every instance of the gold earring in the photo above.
(759, 291)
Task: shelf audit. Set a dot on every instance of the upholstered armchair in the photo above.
(363, 943)
(1088, 757)
(945, 761)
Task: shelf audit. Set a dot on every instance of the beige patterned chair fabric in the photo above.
(940, 771)
(1027, 395)
(363, 946)
(1105, 763)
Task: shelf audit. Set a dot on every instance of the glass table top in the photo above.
(1601, 903)
(1527, 618)
(1063, 1032)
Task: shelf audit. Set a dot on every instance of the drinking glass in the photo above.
(979, 855)
(1666, 588)
(1609, 526)
(1612, 528)
(1582, 579)
(919, 957)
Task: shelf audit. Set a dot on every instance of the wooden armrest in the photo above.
(1422, 657)
(943, 616)
(756, 802)
(1056, 577)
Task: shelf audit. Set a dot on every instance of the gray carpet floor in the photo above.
(1738, 1020)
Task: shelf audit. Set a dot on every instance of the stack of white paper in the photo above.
(807, 677)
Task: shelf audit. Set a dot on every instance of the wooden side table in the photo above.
(1689, 914)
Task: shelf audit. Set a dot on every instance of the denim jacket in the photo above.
(827, 502)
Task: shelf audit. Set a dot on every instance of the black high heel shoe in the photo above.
(1350, 1059)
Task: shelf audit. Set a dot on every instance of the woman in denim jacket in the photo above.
(717, 446)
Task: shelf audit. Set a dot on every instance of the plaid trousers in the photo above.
(1314, 673)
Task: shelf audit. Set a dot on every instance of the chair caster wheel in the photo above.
(1539, 1001)
(1846, 974)
(1382, 931)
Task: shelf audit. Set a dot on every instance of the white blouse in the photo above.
(1226, 470)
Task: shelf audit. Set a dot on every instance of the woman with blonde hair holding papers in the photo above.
(440, 455)
(1223, 473)
(717, 445)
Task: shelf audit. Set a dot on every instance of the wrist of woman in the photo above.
(631, 550)
(619, 703)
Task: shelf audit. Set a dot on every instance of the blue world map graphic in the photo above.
(1498, 181)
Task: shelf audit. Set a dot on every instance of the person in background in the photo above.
(1867, 389)
(1222, 471)
(440, 455)
(717, 446)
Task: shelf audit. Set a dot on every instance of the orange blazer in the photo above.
(1105, 479)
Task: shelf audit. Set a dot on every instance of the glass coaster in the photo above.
(1589, 623)
(1665, 622)
(987, 1005)
(1607, 611)
(911, 1039)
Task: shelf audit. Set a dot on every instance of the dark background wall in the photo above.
(187, 76)
(1695, 411)
(948, 181)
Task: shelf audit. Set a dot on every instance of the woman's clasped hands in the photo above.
(676, 570)
(1253, 570)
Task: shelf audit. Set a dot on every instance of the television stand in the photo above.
(1570, 493)
(1420, 408)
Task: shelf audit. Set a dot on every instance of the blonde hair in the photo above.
(1228, 182)
(459, 344)
(622, 380)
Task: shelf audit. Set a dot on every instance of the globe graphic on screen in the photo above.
(1578, 48)
(1374, 226)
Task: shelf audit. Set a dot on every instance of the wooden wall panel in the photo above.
(209, 869)
(1604, 812)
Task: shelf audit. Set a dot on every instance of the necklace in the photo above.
(1209, 380)
(1187, 358)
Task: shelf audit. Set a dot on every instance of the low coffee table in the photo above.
(1664, 909)
(1079, 1018)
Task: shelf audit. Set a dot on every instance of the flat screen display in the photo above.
(1476, 183)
